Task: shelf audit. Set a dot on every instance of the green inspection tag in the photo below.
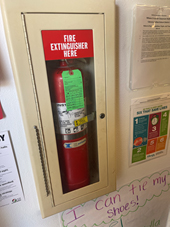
(73, 89)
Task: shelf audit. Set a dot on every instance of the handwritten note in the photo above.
(115, 208)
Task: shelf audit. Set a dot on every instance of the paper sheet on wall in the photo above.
(142, 203)
(10, 186)
(150, 54)
(149, 127)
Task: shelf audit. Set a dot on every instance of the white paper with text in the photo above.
(150, 54)
(10, 186)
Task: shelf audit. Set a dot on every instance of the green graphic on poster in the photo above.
(139, 154)
(164, 123)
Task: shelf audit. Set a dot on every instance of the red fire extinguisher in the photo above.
(71, 140)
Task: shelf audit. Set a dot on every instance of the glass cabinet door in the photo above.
(67, 58)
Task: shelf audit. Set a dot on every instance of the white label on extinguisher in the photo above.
(64, 120)
(75, 144)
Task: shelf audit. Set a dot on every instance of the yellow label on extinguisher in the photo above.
(81, 121)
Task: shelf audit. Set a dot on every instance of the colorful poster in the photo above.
(149, 129)
(142, 203)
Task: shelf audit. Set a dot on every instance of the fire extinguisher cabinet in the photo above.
(63, 61)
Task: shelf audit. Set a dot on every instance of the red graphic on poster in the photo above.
(154, 125)
(151, 147)
(138, 141)
(1, 112)
(67, 44)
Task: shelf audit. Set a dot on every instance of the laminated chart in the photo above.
(149, 127)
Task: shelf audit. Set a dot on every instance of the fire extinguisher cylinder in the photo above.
(72, 145)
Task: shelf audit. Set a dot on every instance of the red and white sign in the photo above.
(65, 44)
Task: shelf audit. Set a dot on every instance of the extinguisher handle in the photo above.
(42, 160)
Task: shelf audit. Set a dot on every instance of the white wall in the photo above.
(26, 213)
(124, 95)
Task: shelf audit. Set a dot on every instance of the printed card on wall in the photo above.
(10, 186)
(149, 127)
